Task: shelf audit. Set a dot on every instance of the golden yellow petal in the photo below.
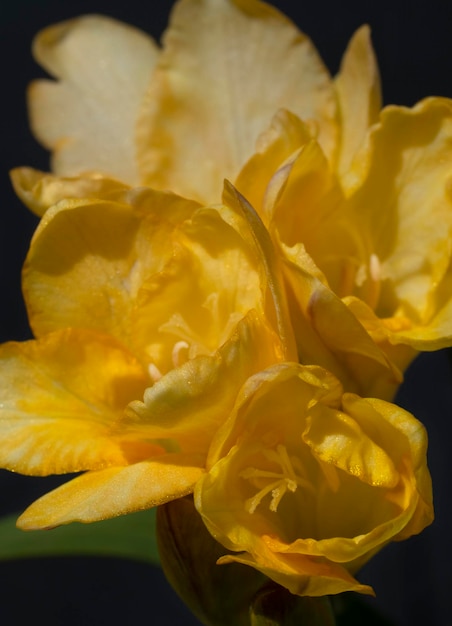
(40, 190)
(62, 402)
(337, 439)
(408, 441)
(217, 86)
(114, 491)
(359, 95)
(88, 116)
(89, 259)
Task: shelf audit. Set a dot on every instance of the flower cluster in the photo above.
(240, 341)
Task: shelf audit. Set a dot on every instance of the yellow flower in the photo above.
(149, 313)
(307, 491)
(183, 111)
(187, 115)
(375, 241)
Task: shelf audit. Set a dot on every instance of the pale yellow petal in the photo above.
(88, 116)
(218, 84)
(359, 95)
(61, 404)
(95, 496)
(40, 190)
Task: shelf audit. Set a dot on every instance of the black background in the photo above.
(413, 41)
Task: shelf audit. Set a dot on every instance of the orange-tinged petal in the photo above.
(62, 402)
(95, 496)
(87, 118)
(216, 87)
(359, 95)
(40, 190)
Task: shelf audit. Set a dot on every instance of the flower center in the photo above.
(288, 476)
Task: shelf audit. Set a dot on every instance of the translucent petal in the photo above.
(216, 87)
(359, 94)
(88, 117)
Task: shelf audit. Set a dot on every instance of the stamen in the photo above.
(288, 479)
(375, 268)
(179, 347)
(154, 372)
(252, 503)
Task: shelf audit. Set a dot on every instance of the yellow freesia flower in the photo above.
(149, 313)
(188, 115)
(307, 491)
(375, 240)
(182, 111)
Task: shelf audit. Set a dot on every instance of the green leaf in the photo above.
(129, 537)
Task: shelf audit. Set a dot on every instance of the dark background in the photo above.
(412, 579)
